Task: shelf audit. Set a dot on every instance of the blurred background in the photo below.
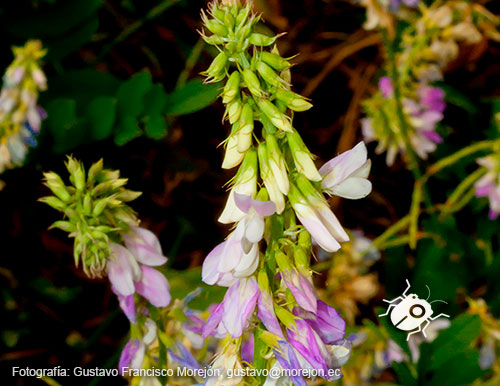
(112, 62)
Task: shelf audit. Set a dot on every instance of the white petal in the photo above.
(353, 188)
(255, 228)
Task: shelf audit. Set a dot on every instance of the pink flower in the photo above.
(235, 311)
(130, 271)
(238, 256)
(346, 174)
(488, 185)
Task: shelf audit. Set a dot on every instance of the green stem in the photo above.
(190, 62)
(455, 157)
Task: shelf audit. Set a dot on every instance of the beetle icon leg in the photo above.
(414, 332)
(438, 316)
(427, 323)
(400, 298)
(407, 288)
(388, 310)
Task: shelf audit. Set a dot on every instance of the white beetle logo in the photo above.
(411, 312)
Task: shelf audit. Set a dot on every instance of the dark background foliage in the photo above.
(123, 85)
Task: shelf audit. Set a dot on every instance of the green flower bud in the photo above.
(263, 195)
(64, 225)
(213, 25)
(99, 206)
(229, 21)
(216, 71)
(253, 83)
(87, 204)
(232, 156)
(243, 16)
(302, 157)
(127, 195)
(280, 120)
(305, 240)
(94, 172)
(233, 111)
(213, 40)
(277, 163)
(292, 100)
(283, 261)
(286, 317)
(275, 61)
(77, 174)
(301, 259)
(263, 281)
(232, 88)
(260, 40)
(246, 128)
(53, 202)
(57, 186)
(269, 75)
(269, 179)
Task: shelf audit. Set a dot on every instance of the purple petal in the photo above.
(120, 271)
(247, 349)
(301, 290)
(328, 323)
(264, 208)
(290, 363)
(307, 345)
(345, 164)
(127, 304)
(145, 247)
(186, 359)
(209, 271)
(482, 191)
(154, 287)
(385, 87)
(239, 304)
(214, 319)
(432, 135)
(267, 315)
(131, 353)
(243, 201)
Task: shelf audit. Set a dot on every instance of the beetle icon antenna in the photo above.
(428, 289)
(437, 300)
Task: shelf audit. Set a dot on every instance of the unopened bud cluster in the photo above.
(20, 117)
(95, 211)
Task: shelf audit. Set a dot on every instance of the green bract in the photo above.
(95, 211)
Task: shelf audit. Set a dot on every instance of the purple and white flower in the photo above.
(130, 270)
(234, 313)
(238, 256)
(346, 174)
(489, 184)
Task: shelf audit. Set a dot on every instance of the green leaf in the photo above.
(131, 94)
(101, 114)
(155, 127)
(193, 96)
(183, 282)
(62, 122)
(463, 369)
(404, 374)
(155, 100)
(82, 86)
(126, 130)
(396, 335)
(456, 339)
